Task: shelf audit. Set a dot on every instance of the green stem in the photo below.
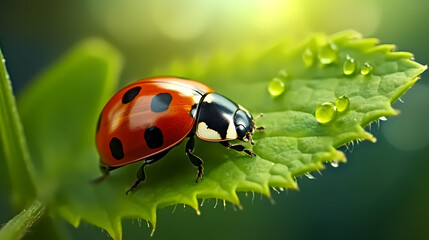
(19, 225)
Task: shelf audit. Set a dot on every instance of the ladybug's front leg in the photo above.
(238, 147)
(190, 145)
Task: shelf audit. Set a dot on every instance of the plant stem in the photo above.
(18, 225)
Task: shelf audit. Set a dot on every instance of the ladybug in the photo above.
(146, 119)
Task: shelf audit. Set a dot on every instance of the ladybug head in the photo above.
(244, 125)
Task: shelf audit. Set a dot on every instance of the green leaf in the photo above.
(293, 142)
(13, 146)
(59, 114)
(21, 223)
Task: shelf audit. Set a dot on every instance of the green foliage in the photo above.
(13, 147)
(18, 226)
(60, 110)
(59, 113)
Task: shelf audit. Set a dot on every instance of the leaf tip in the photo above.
(153, 231)
(368, 136)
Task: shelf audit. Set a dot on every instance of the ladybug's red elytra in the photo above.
(147, 118)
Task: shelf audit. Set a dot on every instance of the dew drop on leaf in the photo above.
(334, 163)
(342, 103)
(283, 73)
(383, 118)
(325, 112)
(276, 87)
(366, 69)
(308, 57)
(349, 66)
(328, 54)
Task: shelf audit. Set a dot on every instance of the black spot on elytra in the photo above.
(116, 148)
(98, 124)
(153, 137)
(130, 95)
(160, 102)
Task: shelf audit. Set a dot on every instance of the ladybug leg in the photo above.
(141, 176)
(238, 147)
(190, 145)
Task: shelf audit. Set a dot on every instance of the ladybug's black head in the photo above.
(244, 125)
(220, 119)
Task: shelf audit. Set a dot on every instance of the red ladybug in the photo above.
(146, 119)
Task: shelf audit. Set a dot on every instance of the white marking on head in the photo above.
(242, 108)
(207, 134)
(209, 98)
(231, 133)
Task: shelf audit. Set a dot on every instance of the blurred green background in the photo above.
(381, 192)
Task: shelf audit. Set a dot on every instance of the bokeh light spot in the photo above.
(181, 20)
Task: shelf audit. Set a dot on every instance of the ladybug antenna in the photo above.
(260, 115)
(253, 120)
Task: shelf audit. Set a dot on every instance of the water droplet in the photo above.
(282, 73)
(3, 60)
(349, 66)
(334, 163)
(325, 112)
(342, 103)
(383, 118)
(276, 87)
(308, 57)
(309, 176)
(366, 69)
(328, 54)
